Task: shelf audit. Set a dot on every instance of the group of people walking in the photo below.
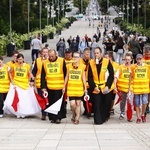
(78, 73)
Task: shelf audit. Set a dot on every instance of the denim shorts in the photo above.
(140, 99)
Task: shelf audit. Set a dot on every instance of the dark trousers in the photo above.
(34, 54)
(53, 96)
(2, 98)
(101, 108)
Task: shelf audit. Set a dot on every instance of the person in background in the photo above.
(94, 44)
(36, 46)
(120, 45)
(69, 41)
(82, 46)
(134, 47)
(61, 46)
(14, 56)
(74, 46)
(141, 45)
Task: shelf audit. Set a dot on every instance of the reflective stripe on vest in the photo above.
(123, 79)
(39, 62)
(54, 74)
(21, 77)
(140, 79)
(75, 87)
(99, 81)
(4, 79)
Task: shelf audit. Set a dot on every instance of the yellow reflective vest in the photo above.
(39, 62)
(86, 71)
(21, 75)
(100, 81)
(115, 67)
(54, 74)
(123, 79)
(4, 79)
(140, 79)
(75, 87)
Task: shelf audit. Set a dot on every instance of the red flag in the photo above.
(119, 97)
(15, 101)
(129, 110)
(40, 100)
(130, 96)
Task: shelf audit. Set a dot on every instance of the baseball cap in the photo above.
(67, 50)
(139, 56)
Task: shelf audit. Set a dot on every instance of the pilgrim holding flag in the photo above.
(52, 81)
(21, 100)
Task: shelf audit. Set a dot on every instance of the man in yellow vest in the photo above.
(68, 56)
(75, 84)
(4, 83)
(36, 72)
(146, 59)
(14, 56)
(100, 85)
(86, 61)
(141, 83)
(52, 81)
(122, 82)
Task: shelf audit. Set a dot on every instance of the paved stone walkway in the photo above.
(33, 134)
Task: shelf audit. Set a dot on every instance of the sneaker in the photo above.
(138, 120)
(43, 117)
(18, 117)
(121, 116)
(143, 118)
(1, 115)
(22, 117)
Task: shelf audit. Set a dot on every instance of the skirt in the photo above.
(27, 105)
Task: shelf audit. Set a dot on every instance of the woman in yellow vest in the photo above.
(122, 82)
(36, 72)
(115, 67)
(100, 86)
(4, 83)
(76, 86)
(27, 104)
(141, 84)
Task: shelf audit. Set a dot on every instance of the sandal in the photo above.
(76, 122)
(73, 119)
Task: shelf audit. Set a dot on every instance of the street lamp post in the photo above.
(40, 11)
(28, 16)
(10, 5)
(127, 12)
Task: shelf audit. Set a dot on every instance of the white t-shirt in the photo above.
(36, 44)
